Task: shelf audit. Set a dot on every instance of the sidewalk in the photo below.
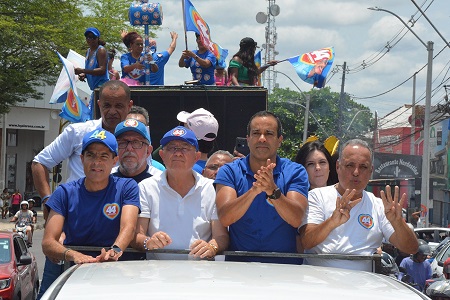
(6, 225)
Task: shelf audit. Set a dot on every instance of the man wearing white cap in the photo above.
(205, 127)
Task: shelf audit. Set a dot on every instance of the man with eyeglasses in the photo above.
(177, 207)
(215, 161)
(135, 147)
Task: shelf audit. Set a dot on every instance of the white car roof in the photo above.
(158, 279)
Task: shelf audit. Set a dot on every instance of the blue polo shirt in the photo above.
(261, 228)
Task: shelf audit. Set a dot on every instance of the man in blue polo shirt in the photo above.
(262, 197)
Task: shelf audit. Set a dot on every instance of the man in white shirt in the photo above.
(345, 219)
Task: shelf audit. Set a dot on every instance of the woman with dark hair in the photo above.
(113, 74)
(202, 63)
(242, 69)
(132, 63)
(96, 65)
(318, 163)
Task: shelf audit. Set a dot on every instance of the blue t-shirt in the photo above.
(94, 81)
(261, 228)
(160, 59)
(136, 74)
(419, 272)
(205, 75)
(93, 218)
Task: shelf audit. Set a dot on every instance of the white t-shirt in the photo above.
(184, 219)
(68, 146)
(360, 235)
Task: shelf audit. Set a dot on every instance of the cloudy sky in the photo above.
(358, 35)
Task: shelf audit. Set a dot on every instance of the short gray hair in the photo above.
(356, 142)
(223, 152)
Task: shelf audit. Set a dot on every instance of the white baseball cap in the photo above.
(201, 122)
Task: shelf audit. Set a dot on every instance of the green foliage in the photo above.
(327, 117)
(32, 30)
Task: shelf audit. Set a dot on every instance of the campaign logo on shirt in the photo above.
(366, 221)
(111, 210)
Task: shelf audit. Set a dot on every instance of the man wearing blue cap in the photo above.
(96, 210)
(135, 147)
(181, 201)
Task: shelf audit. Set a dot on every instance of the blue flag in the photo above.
(313, 67)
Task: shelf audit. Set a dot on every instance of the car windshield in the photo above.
(5, 251)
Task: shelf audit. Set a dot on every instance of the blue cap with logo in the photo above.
(100, 136)
(180, 133)
(92, 30)
(133, 125)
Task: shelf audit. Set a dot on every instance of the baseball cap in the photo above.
(248, 42)
(201, 122)
(180, 133)
(92, 30)
(100, 136)
(132, 125)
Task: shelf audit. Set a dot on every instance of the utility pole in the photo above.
(341, 101)
(413, 118)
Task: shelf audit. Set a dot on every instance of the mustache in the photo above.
(129, 154)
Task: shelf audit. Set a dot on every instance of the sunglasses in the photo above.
(90, 37)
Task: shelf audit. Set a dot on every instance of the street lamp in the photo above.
(307, 112)
(425, 190)
(353, 119)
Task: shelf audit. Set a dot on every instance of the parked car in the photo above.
(432, 235)
(175, 279)
(19, 277)
(439, 259)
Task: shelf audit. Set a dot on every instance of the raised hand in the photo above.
(344, 204)
(393, 205)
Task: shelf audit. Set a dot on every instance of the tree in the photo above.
(31, 32)
(289, 106)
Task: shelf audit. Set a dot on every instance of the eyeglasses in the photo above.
(90, 37)
(173, 149)
(134, 144)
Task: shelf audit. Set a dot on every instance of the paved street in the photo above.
(5, 224)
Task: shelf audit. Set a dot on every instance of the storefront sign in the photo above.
(389, 166)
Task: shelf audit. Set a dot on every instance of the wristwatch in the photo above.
(116, 249)
(275, 194)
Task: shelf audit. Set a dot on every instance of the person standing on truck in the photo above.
(345, 219)
(202, 63)
(262, 197)
(114, 104)
(161, 58)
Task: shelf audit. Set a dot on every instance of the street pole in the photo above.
(425, 191)
(425, 188)
(305, 126)
(413, 119)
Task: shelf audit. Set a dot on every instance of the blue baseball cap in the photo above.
(133, 125)
(180, 133)
(92, 30)
(100, 136)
